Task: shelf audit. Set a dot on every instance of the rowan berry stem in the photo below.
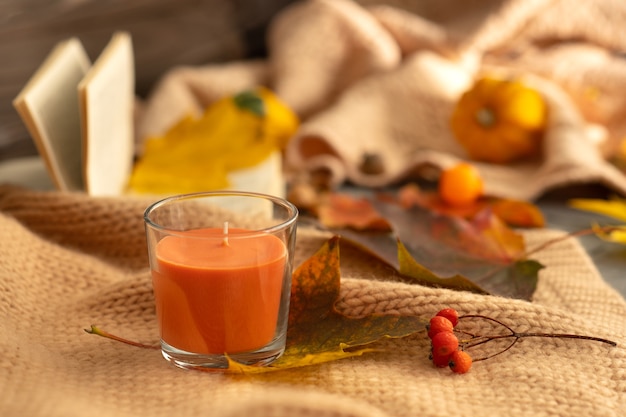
(468, 316)
(477, 339)
(567, 336)
(497, 353)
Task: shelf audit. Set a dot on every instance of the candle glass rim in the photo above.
(290, 208)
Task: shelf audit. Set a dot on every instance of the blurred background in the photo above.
(165, 34)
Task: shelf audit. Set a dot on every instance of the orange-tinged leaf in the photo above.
(484, 236)
(448, 251)
(518, 279)
(343, 210)
(518, 213)
(317, 332)
(513, 212)
(495, 237)
(411, 195)
(473, 249)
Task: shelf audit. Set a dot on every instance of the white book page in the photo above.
(266, 177)
(106, 96)
(49, 107)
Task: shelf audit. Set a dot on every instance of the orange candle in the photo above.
(217, 295)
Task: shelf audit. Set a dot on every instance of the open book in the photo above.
(81, 115)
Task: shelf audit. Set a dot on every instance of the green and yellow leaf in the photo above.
(319, 333)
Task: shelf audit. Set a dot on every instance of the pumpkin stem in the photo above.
(486, 117)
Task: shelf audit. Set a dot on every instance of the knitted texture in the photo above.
(379, 79)
(68, 261)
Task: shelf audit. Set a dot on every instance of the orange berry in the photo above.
(451, 314)
(439, 324)
(444, 343)
(460, 362)
(440, 361)
(460, 185)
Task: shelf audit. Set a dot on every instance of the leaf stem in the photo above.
(99, 332)
(579, 233)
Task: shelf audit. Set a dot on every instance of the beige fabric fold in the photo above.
(383, 79)
(68, 261)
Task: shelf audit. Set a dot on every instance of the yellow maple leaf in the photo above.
(198, 154)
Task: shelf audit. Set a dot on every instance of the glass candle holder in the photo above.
(221, 266)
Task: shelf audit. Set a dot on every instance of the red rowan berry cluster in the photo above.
(445, 344)
(448, 351)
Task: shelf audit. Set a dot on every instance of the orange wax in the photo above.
(214, 297)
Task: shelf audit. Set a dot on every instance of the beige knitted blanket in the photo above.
(68, 261)
(368, 78)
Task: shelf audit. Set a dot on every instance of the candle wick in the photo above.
(225, 241)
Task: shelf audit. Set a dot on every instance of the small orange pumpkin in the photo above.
(499, 120)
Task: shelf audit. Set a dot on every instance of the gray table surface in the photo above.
(609, 258)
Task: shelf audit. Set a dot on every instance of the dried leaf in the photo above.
(484, 251)
(514, 213)
(518, 213)
(481, 255)
(379, 244)
(317, 332)
(411, 195)
(491, 233)
(343, 210)
(408, 266)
